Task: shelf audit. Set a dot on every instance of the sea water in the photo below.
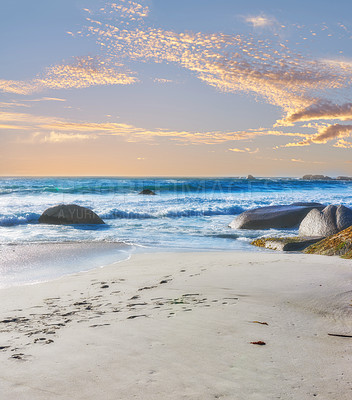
(185, 213)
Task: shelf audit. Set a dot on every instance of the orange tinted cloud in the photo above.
(83, 72)
(53, 130)
(322, 110)
(232, 63)
(331, 132)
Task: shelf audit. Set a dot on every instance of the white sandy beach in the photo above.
(180, 326)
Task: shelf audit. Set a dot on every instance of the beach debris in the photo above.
(259, 343)
(340, 335)
(136, 316)
(259, 322)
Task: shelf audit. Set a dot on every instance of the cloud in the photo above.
(51, 127)
(12, 104)
(331, 132)
(245, 150)
(344, 144)
(260, 21)
(321, 110)
(162, 80)
(14, 127)
(231, 63)
(55, 137)
(269, 70)
(46, 99)
(83, 72)
(295, 144)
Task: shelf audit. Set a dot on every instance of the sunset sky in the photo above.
(175, 88)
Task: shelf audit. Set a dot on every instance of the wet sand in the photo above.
(219, 325)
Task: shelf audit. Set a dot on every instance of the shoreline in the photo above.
(180, 325)
(29, 261)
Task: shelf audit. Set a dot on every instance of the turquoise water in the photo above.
(185, 213)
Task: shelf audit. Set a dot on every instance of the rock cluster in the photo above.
(316, 178)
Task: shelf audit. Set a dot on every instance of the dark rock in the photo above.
(316, 178)
(251, 178)
(286, 243)
(285, 216)
(147, 192)
(330, 220)
(344, 178)
(69, 214)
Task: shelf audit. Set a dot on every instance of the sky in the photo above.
(175, 88)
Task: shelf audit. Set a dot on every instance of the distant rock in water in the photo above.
(147, 192)
(330, 220)
(339, 244)
(316, 178)
(69, 214)
(344, 178)
(285, 216)
(251, 178)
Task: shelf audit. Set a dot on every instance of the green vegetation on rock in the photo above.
(339, 244)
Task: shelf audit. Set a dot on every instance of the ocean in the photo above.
(186, 214)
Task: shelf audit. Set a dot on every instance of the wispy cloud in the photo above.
(245, 150)
(267, 69)
(51, 129)
(231, 63)
(320, 111)
(305, 89)
(260, 21)
(83, 72)
(55, 137)
(332, 132)
(46, 99)
(344, 144)
(162, 80)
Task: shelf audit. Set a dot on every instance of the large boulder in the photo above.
(330, 220)
(69, 214)
(285, 216)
